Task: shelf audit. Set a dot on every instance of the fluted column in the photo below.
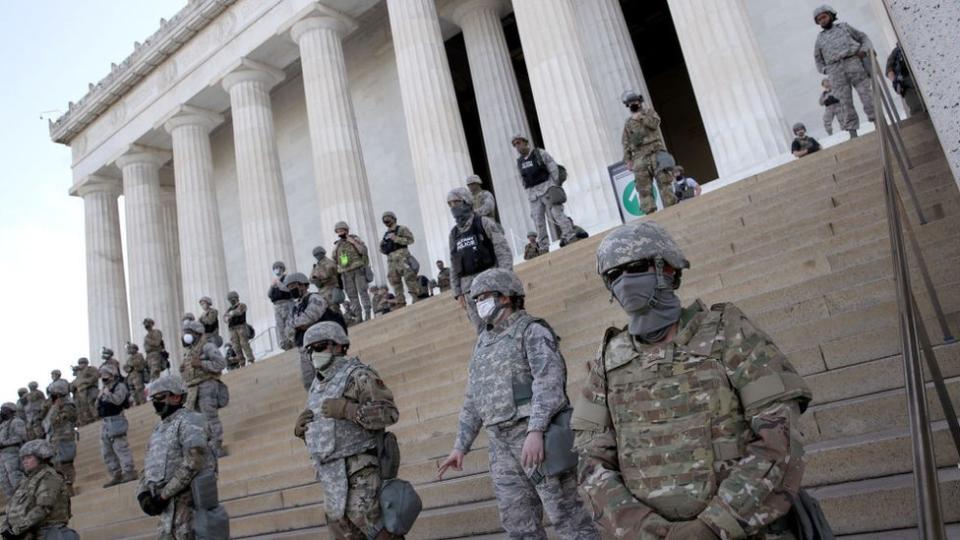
(341, 179)
(572, 122)
(498, 101)
(613, 63)
(108, 321)
(150, 270)
(739, 107)
(434, 128)
(263, 205)
(202, 265)
(168, 209)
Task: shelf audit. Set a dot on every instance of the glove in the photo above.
(152, 505)
(339, 408)
(691, 530)
(8, 535)
(300, 429)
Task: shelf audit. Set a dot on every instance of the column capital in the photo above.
(97, 184)
(250, 70)
(339, 24)
(457, 11)
(188, 115)
(143, 154)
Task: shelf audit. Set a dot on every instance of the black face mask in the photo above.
(165, 409)
(634, 107)
(343, 235)
(295, 292)
(461, 213)
(6, 416)
(388, 224)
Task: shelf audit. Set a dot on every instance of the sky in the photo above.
(49, 51)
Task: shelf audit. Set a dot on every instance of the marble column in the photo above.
(438, 146)
(737, 101)
(573, 123)
(613, 64)
(108, 321)
(498, 101)
(341, 179)
(202, 264)
(150, 270)
(168, 209)
(263, 205)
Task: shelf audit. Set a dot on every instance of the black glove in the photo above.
(152, 505)
(8, 535)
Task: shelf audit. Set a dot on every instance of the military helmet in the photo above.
(823, 8)
(148, 320)
(58, 387)
(532, 234)
(56, 373)
(233, 295)
(325, 331)
(206, 300)
(474, 179)
(319, 252)
(188, 316)
(459, 194)
(38, 448)
(12, 407)
(83, 361)
(109, 369)
(171, 382)
(639, 241)
(389, 214)
(518, 137)
(280, 265)
(798, 126)
(193, 326)
(106, 352)
(630, 95)
(32, 385)
(296, 277)
(341, 225)
(132, 347)
(497, 280)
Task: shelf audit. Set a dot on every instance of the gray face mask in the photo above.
(652, 311)
(462, 213)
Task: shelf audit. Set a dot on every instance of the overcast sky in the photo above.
(49, 51)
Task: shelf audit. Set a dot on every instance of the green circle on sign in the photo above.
(631, 199)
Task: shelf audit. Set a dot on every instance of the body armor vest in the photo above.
(193, 376)
(328, 315)
(106, 409)
(471, 251)
(499, 376)
(25, 501)
(236, 320)
(335, 438)
(533, 171)
(8, 436)
(167, 446)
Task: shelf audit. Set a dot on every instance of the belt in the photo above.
(5, 446)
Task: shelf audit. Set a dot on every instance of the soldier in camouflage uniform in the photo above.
(233, 360)
(532, 249)
(326, 278)
(309, 309)
(55, 376)
(60, 426)
(154, 350)
(236, 319)
(107, 358)
(200, 370)
(687, 427)
(484, 204)
(353, 262)
(831, 106)
(114, 449)
(641, 142)
(178, 450)
(348, 407)
(41, 505)
(476, 244)
(399, 270)
(13, 433)
(34, 410)
(210, 319)
(136, 373)
(539, 172)
(84, 387)
(281, 299)
(839, 54)
(443, 277)
(515, 387)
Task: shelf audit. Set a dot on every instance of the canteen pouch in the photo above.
(413, 263)
(522, 391)
(251, 332)
(115, 426)
(558, 454)
(60, 532)
(400, 506)
(561, 174)
(389, 456)
(223, 394)
(555, 195)
(808, 521)
(66, 451)
(211, 524)
(368, 273)
(204, 490)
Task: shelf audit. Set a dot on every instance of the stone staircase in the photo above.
(802, 249)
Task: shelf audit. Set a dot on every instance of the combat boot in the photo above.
(128, 477)
(117, 479)
(853, 133)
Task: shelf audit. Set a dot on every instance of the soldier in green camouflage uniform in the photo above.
(84, 388)
(178, 449)
(200, 369)
(34, 410)
(13, 433)
(641, 142)
(839, 53)
(136, 373)
(210, 319)
(41, 504)
(484, 204)
(532, 249)
(515, 387)
(153, 348)
(236, 319)
(353, 261)
(55, 376)
(60, 427)
(347, 408)
(325, 277)
(687, 427)
(443, 277)
(395, 246)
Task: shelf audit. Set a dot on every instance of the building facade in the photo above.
(242, 130)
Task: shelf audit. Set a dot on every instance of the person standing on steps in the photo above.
(643, 150)
(841, 54)
(484, 204)
(236, 318)
(803, 145)
(402, 267)
(280, 298)
(13, 433)
(41, 506)
(831, 106)
(34, 410)
(85, 391)
(60, 431)
(688, 424)
(210, 319)
(309, 308)
(153, 348)
(539, 173)
(443, 277)
(326, 278)
(200, 369)
(516, 389)
(136, 372)
(532, 249)
(898, 71)
(353, 263)
(114, 449)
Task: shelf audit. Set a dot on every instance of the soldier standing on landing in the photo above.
(642, 141)
(839, 53)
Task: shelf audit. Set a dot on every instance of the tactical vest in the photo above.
(471, 251)
(679, 422)
(57, 424)
(328, 315)
(388, 246)
(335, 438)
(25, 500)
(533, 171)
(499, 376)
(106, 409)
(193, 376)
(214, 327)
(170, 442)
(236, 320)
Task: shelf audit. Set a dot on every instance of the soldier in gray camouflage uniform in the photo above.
(309, 309)
(687, 426)
(484, 204)
(114, 449)
(840, 53)
(347, 409)
(178, 450)
(55, 376)
(281, 299)
(515, 387)
(13, 433)
(539, 172)
(40, 508)
(200, 369)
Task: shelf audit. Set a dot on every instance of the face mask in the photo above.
(295, 292)
(342, 235)
(321, 360)
(277, 272)
(634, 107)
(6, 416)
(461, 213)
(653, 311)
(165, 409)
(388, 224)
(188, 339)
(105, 381)
(487, 309)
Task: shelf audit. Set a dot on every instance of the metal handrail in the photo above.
(914, 340)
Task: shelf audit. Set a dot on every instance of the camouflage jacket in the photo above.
(211, 363)
(531, 251)
(36, 402)
(40, 501)
(516, 372)
(210, 317)
(236, 310)
(839, 42)
(13, 433)
(702, 427)
(60, 421)
(324, 274)
(641, 137)
(350, 253)
(305, 312)
(135, 363)
(87, 377)
(484, 204)
(153, 342)
(443, 279)
(403, 238)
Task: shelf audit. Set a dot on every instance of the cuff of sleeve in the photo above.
(465, 448)
(724, 523)
(537, 424)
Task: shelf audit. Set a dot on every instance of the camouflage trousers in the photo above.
(281, 317)
(307, 371)
(829, 113)
(34, 425)
(176, 521)
(86, 400)
(541, 211)
(521, 502)
(241, 344)
(472, 314)
(844, 77)
(137, 387)
(10, 472)
(116, 453)
(355, 288)
(361, 518)
(644, 174)
(207, 402)
(400, 272)
(155, 365)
